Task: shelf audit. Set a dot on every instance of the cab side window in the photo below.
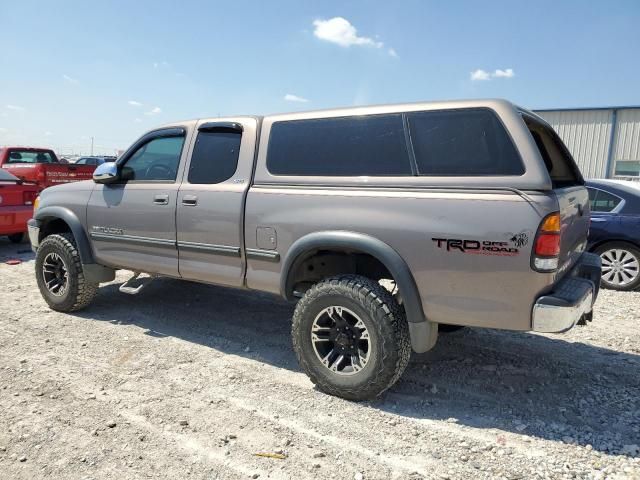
(215, 157)
(156, 160)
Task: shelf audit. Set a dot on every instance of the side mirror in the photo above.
(106, 173)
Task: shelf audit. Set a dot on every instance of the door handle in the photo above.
(190, 200)
(598, 219)
(161, 200)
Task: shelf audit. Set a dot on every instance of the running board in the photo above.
(127, 288)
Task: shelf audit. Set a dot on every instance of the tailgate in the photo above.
(573, 203)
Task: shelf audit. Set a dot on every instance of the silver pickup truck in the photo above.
(382, 222)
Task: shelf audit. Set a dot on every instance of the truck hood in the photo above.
(84, 186)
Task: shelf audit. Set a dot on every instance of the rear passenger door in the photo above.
(604, 211)
(211, 201)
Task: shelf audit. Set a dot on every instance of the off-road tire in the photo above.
(79, 292)
(385, 321)
(632, 249)
(16, 237)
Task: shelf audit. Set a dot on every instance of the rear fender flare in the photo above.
(423, 333)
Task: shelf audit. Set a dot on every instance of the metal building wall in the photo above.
(626, 144)
(587, 134)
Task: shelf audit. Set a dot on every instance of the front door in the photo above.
(211, 201)
(132, 223)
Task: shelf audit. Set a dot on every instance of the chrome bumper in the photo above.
(571, 300)
(34, 233)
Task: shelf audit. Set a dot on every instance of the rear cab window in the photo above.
(30, 156)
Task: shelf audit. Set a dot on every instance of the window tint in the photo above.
(601, 201)
(215, 157)
(157, 159)
(559, 162)
(462, 142)
(347, 146)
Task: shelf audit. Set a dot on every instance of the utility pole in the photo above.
(92, 146)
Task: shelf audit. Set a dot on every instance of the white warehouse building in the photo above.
(605, 142)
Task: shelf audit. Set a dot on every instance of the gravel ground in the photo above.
(192, 381)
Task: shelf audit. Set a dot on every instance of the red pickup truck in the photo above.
(41, 166)
(16, 205)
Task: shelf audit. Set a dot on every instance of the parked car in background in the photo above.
(94, 160)
(615, 231)
(41, 166)
(16, 205)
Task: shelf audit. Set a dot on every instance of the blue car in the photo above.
(615, 231)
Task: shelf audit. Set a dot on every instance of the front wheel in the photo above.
(620, 266)
(351, 337)
(60, 276)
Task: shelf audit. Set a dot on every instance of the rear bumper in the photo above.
(571, 300)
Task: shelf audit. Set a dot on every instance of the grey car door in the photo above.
(132, 223)
(210, 206)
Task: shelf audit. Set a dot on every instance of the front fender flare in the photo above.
(423, 333)
(70, 218)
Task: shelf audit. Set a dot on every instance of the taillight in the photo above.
(29, 197)
(547, 245)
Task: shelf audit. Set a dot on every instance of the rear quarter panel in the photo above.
(476, 288)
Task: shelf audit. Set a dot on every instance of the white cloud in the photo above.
(508, 73)
(154, 111)
(339, 30)
(162, 64)
(16, 108)
(47, 133)
(392, 52)
(480, 75)
(133, 103)
(498, 73)
(289, 97)
(137, 120)
(69, 79)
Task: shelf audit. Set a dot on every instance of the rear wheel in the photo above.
(351, 337)
(620, 266)
(16, 237)
(60, 276)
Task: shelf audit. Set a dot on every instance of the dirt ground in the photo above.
(192, 381)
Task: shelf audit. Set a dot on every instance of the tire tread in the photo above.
(396, 348)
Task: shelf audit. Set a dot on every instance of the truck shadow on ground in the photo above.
(523, 383)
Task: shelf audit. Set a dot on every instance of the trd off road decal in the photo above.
(509, 247)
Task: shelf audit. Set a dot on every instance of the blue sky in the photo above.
(112, 70)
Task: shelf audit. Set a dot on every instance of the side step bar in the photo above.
(128, 287)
